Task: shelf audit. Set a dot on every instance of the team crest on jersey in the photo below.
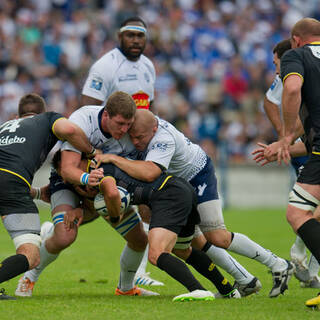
(96, 83)
(142, 100)
(160, 146)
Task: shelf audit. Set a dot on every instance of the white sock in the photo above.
(298, 250)
(313, 266)
(143, 265)
(45, 259)
(129, 263)
(241, 244)
(223, 259)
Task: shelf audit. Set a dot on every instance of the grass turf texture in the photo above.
(80, 284)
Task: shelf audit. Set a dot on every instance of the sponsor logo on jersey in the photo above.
(7, 140)
(128, 77)
(142, 100)
(96, 83)
(160, 146)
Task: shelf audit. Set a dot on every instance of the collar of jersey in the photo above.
(315, 42)
(106, 134)
(126, 56)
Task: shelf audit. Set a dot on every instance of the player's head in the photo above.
(31, 104)
(305, 31)
(278, 52)
(118, 114)
(143, 129)
(133, 37)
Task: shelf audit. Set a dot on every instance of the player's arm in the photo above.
(71, 172)
(67, 130)
(88, 101)
(273, 114)
(138, 169)
(112, 199)
(291, 100)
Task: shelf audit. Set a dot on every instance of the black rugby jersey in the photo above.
(25, 144)
(140, 191)
(305, 61)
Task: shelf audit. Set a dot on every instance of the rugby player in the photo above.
(125, 68)
(24, 146)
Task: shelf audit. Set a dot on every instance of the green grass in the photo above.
(81, 282)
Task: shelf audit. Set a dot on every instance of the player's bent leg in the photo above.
(245, 282)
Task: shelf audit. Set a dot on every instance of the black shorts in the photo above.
(15, 195)
(310, 172)
(174, 207)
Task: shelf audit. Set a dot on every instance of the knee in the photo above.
(63, 238)
(220, 238)
(34, 261)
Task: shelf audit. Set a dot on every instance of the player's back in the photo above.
(26, 142)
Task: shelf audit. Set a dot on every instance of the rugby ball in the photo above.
(100, 205)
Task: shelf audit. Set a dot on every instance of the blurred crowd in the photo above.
(213, 59)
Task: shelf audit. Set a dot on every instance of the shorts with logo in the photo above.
(205, 183)
(174, 208)
(15, 195)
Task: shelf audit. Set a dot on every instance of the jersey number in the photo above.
(11, 125)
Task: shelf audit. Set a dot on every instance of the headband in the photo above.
(133, 28)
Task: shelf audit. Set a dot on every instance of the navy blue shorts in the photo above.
(205, 183)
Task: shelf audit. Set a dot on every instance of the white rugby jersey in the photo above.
(88, 119)
(114, 72)
(171, 149)
(274, 93)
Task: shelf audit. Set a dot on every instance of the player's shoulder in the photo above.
(145, 60)
(110, 59)
(86, 111)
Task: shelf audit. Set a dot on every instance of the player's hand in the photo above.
(283, 151)
(272, 149)
(260, 155)
(73, 218)
(103, 158)
(94, 177)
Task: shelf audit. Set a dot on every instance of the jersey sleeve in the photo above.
(152, 71)
(80, 118)
(161, 151)
(53, 117)
(291, 63)
(274, 93)
(99, 81)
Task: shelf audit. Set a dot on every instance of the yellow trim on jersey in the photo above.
(164, 182)
(315, 42)
(18, 175)
(291, 73)
(105, 178)
(88, 165)
(315, 152)
(52, 128)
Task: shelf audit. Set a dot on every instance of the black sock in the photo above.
(179, 271)
(309, 232)
(202, 263)
(13, 266)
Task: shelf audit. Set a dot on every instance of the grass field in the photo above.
(81, 283)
